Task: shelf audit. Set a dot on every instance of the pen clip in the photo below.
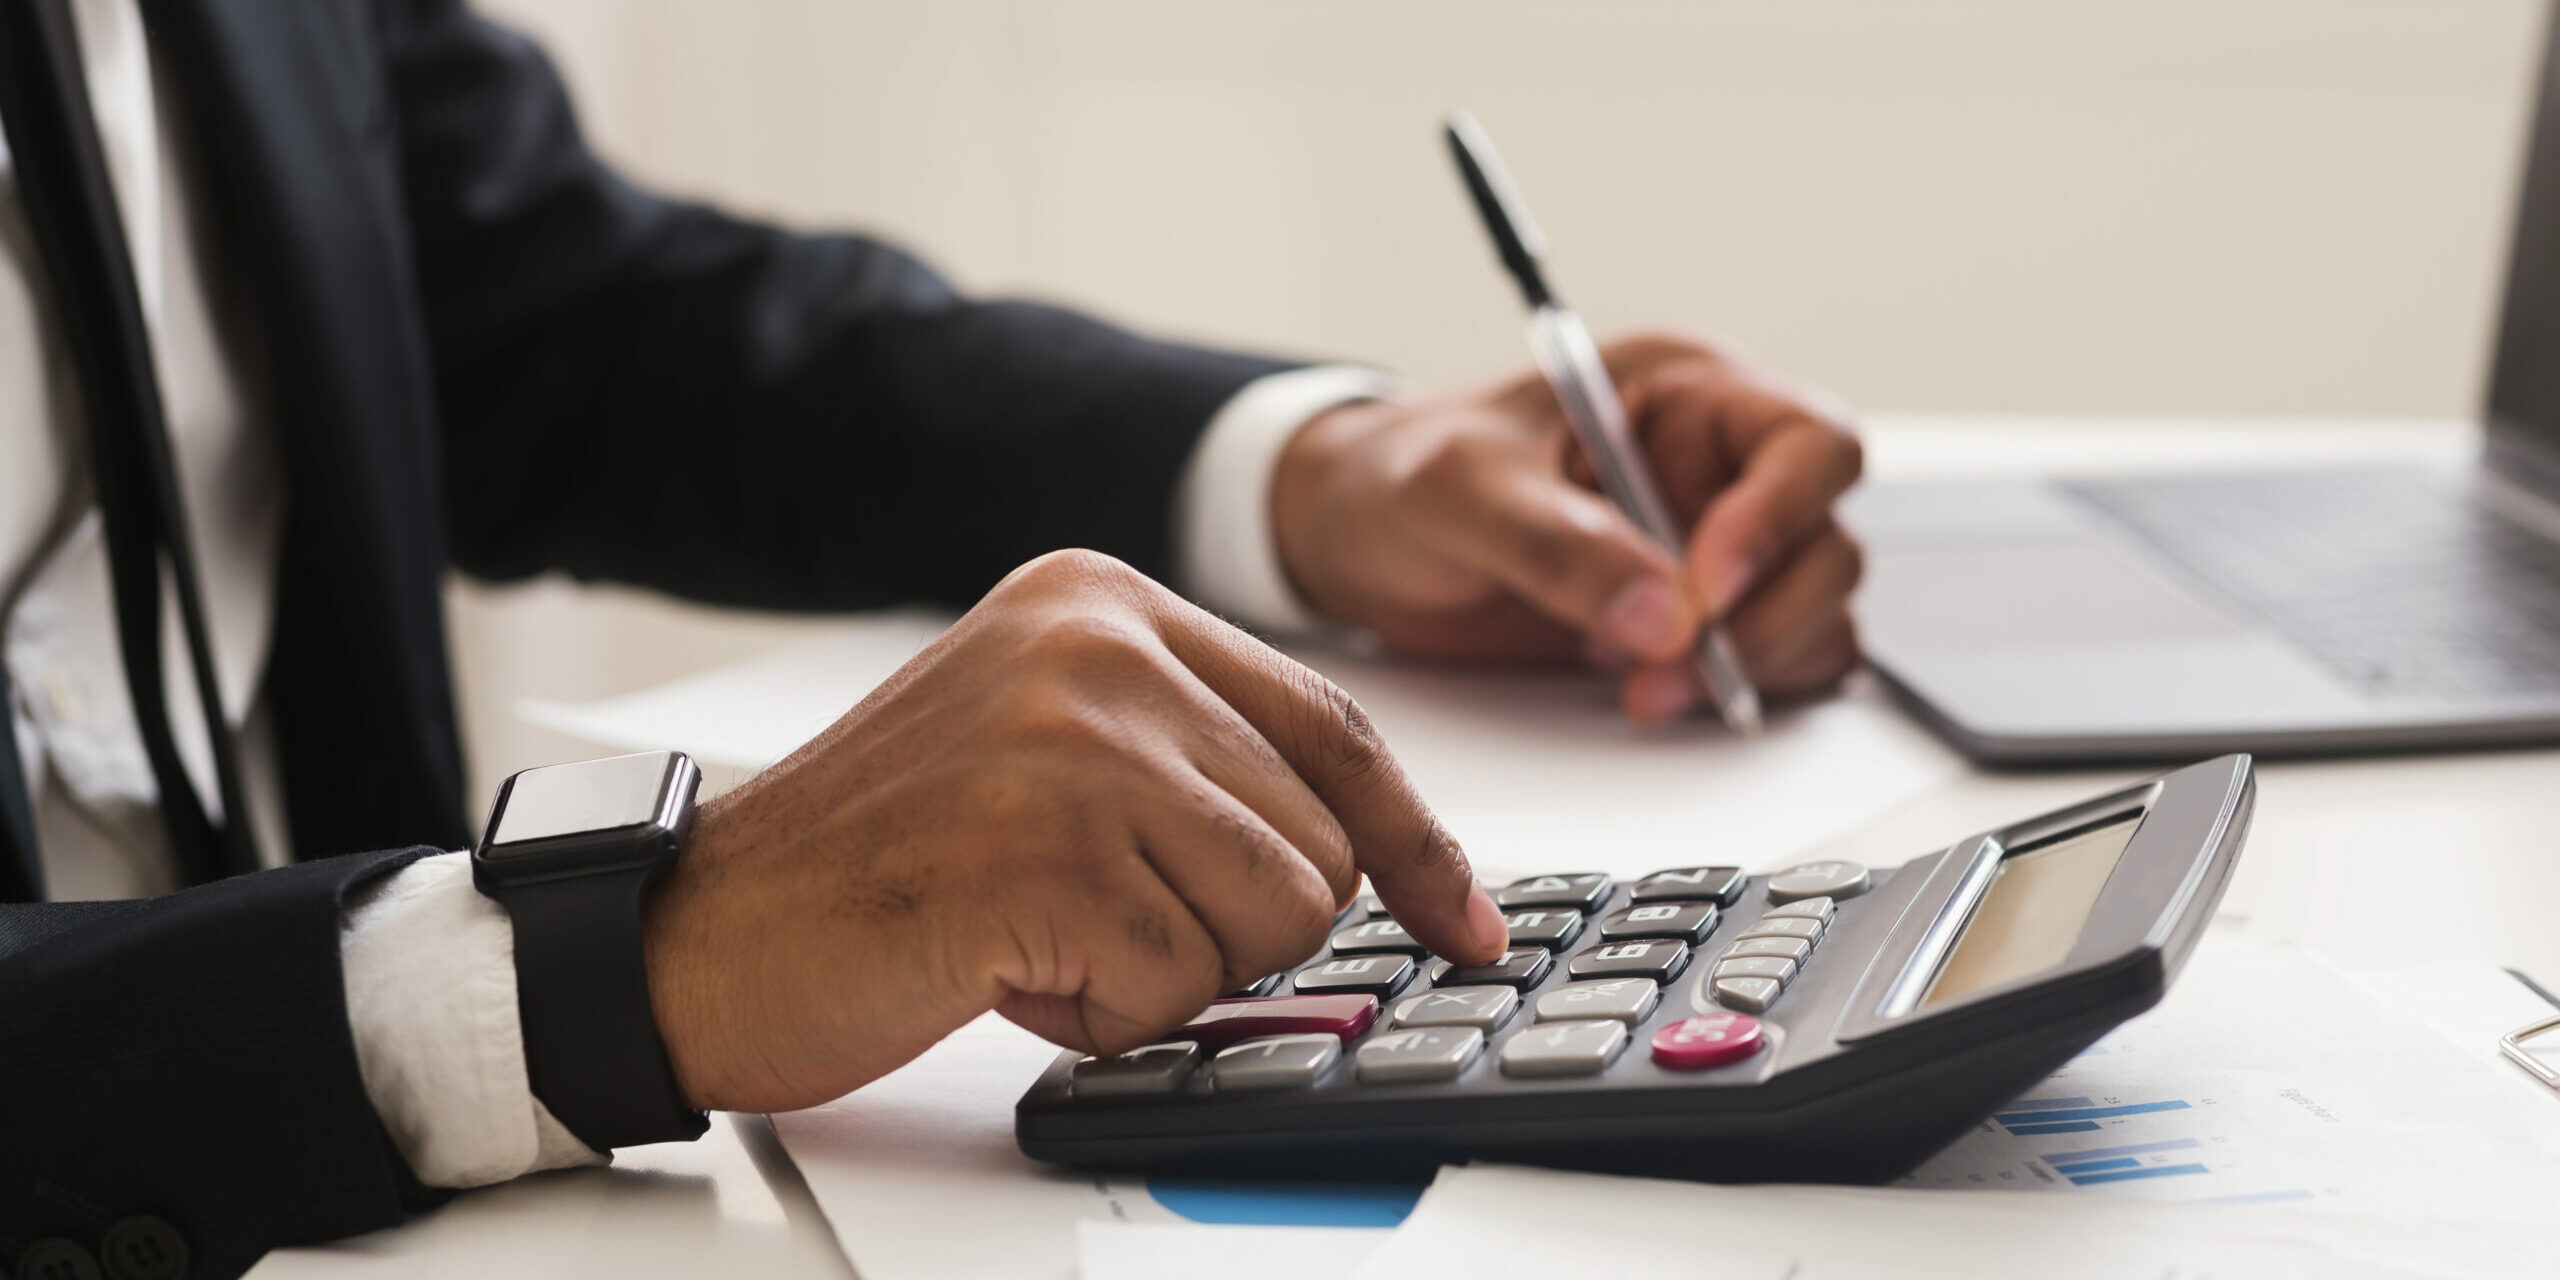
(1516, 238)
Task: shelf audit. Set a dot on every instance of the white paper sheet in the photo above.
(1531, 769)
(1192, 1251)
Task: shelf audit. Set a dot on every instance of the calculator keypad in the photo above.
(1628, 1000)
(1155, 1068)
(1279, 1062)
(1554, 928)
(1379, 975)
(1564, 1048)
(1579, 890)
(1408, 1057)
(1225, 1022)
(1375, 937)
(1657, 959)
(1719, 885)
(1484, 1008)
(1519, 967)
(1688, 922)
(1832, 879)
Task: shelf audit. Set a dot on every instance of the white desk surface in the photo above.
(2340, 851)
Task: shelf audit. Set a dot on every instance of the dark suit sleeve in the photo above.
(646, 390)
(188, 1058)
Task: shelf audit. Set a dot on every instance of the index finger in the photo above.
(1420, 872)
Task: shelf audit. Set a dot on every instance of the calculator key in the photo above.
(1554, 928)
(1580, 890)
(1367, 907)
(1687, 921)
(1258, 987)
(1707, 1040)
(1407, 1057)
(1811, 908)
(1156, 1068)
(1376, 936)
(1279, 1062)
(1226, 1021)
(1564, 1048)
(1629, 1000)
(1751, 995)
(1805, 927)
(1795, 949)
(1659, 960)
(1484, 1008)
(1522, 967)
(1719, 885)
(1380, 976)
(1831, 879)
(1783, 971)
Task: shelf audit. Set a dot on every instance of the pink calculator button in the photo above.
(1225, 1022)
(1708, 1040)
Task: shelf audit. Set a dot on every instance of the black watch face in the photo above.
(572, 799)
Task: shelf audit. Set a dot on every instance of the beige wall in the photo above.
(2178, 206)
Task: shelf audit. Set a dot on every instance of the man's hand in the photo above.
(1090, 807)
(1467, 526)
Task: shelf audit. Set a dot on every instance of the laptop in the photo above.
(2281, 612)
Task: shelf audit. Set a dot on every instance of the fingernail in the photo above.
(1658, 695)
(1646, 616)
(1728, 586)
(1484, 922)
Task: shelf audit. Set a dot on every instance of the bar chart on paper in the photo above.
(2264, 1078)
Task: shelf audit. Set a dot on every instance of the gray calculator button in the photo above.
(1563, 1048)
(1404, 1057)
(1751, 995)
(1484, 1008)
(1781, 971)
(1720, 885)
(1813, 908)
(1580, 890)
(1379, 976)
(1626, 999)
(1804, 927)
(1831, 879)
(1375, 936)
(1658, 959)
(1553, 928)
(1156, 1068)
(1522, 967)
(1277, 1062)
(1685, 921)
(1795, 949)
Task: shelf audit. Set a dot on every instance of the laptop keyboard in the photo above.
(2400, 581)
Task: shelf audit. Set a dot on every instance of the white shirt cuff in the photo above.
(1225, 554)
(430, 966)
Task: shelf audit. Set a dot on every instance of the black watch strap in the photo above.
(591, 1042)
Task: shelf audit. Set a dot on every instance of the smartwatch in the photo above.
(570, 852)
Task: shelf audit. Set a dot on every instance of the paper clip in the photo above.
(2512, 1045)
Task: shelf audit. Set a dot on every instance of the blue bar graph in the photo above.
(2014, 1118)
(2069, 1126)
(2129, 1149)
(2095, 1166)
(2128, 1175)
(2046, 1104)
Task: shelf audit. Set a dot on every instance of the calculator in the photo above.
(1828, 1022)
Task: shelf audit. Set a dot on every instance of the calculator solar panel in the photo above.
(1830, 1022)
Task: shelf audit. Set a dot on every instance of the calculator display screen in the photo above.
(2039, 898)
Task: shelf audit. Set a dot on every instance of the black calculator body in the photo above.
(1921, 999)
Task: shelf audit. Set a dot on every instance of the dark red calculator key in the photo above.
(1225, 1022)
(1708, 1040)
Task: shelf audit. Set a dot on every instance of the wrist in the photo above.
(1305, 500)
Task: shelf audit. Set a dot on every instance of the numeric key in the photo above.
(1380, 976)
(1657, 959)
(1719, 885)
(1688, 922)
(1580, 890)
(1523, 967)
(1374, 937)
(1554, 928)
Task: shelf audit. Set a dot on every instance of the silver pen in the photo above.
(1571, 363)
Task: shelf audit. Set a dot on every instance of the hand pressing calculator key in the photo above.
(1830, 1022)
